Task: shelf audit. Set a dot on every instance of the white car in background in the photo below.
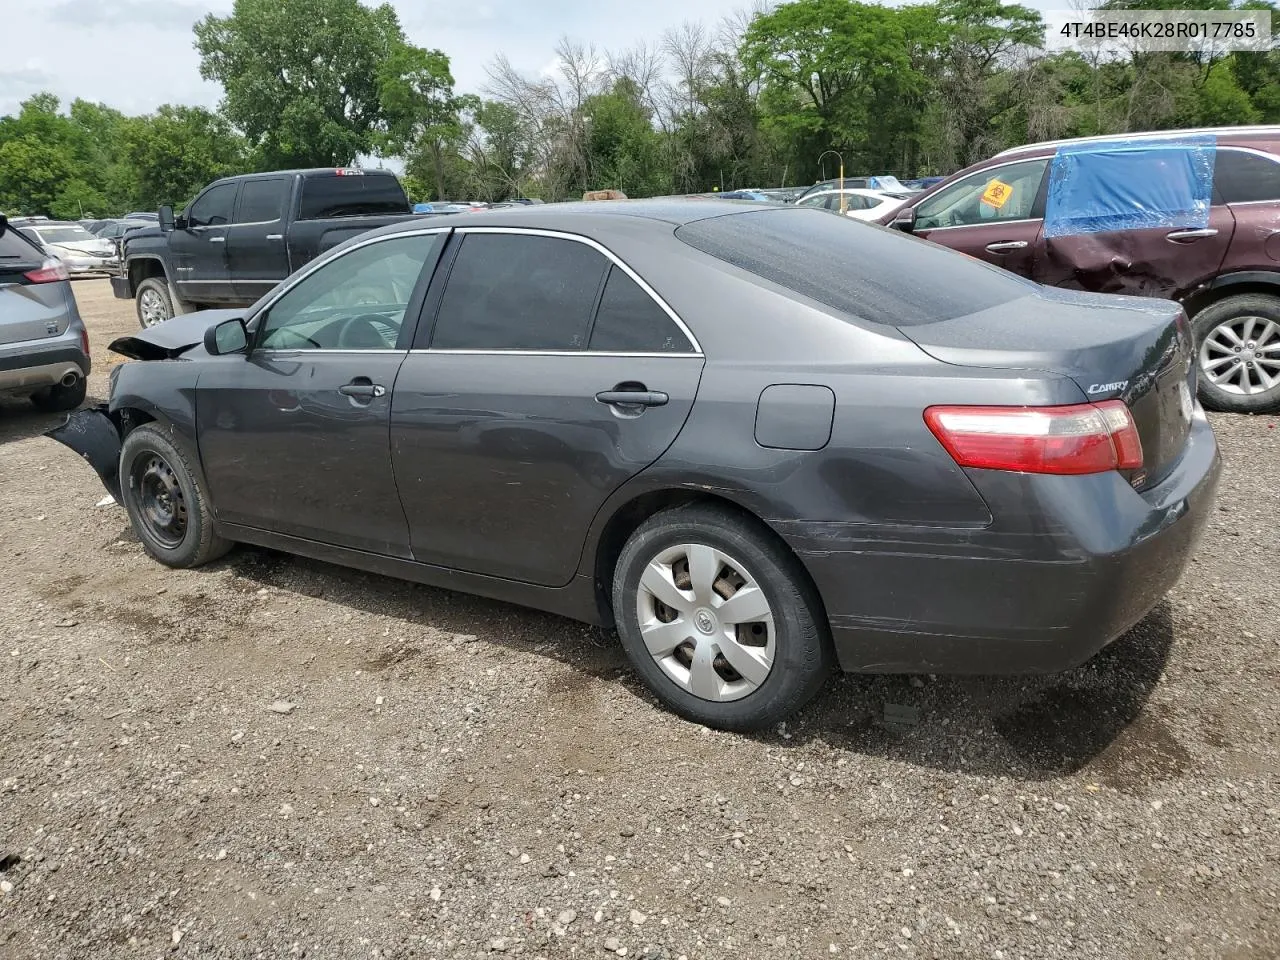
(78, 249)
(859, 203)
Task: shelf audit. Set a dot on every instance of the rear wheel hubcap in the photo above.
(1242, 355)
(706, 622)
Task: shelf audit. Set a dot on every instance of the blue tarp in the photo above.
(1130, 184)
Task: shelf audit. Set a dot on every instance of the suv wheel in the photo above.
(1239, 353)
(165, 503)
(719, 619)
(58, 398)
(153, 302)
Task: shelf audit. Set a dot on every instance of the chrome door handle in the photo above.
(1179, 235)
(275, 236)
(363, 391)
(217, 239)
(1006, 246)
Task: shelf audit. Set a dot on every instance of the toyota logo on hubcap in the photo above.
(705, 621)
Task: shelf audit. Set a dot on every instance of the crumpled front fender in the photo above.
(96, 437)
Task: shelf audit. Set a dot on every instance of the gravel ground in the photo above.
(271, 757)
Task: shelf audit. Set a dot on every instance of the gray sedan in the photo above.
(761, 442)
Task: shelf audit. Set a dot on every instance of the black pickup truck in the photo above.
(242, 235)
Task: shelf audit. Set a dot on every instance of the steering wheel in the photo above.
(361, 333)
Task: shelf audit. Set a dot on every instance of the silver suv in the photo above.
(44, 346)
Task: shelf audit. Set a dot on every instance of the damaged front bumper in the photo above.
(94, 435)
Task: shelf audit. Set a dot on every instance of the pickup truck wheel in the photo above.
(154, 304)
(164, 500)
(1238, 353)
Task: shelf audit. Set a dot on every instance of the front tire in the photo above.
(153, 302)
(719, 619)
(164, 500)
(1238, 353)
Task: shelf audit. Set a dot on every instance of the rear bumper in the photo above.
(28, 367)
(1070, 565)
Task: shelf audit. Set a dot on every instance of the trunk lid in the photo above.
(1136, 349)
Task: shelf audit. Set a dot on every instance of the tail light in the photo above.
(84, 340)
(50, 271)
(1076, 439)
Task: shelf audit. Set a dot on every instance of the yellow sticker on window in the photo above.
(997, 194)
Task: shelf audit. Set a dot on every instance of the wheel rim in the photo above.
(1242, 355)
(161, 505)
(151, 305)
(706, 622)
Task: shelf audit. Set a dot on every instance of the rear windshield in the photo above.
(14, 247)
(351, 196)
(868, 272)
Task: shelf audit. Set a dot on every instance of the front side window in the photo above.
(988, 196)
(262, 201)
(213, 207)
(630, 321)
(354, 302)
(519, 292)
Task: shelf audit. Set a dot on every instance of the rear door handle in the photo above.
(362, 389)
(275, 236)
(1177, 236)
(217, 239)
(1006, 246)
(633, 398)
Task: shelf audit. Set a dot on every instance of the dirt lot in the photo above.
(461, 778)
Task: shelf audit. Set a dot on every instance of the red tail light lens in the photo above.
(84, 341)
(50, 271)
(1076, 439)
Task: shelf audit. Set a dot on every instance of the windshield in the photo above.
(68, 234)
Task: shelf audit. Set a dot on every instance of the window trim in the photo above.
(318, 263)
(608, 255)
(1037, 200)
(1269, 157)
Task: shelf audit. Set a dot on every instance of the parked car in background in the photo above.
(883, 184)
(242, 235)
(742, 195)
(859, 204)
(1112, 227)
(139, 215)
(79, 250)
(747, 436)
(44, 347)
(115, 229)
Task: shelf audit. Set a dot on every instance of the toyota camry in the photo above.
(761, 442)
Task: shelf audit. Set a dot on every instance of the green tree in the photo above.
(177, 150)
(302, 78)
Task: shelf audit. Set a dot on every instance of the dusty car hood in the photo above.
(173, 338)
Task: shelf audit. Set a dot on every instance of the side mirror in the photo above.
(226, 337)
(166, 219)
(904, 220)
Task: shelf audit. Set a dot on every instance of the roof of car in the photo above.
(1233, 133)
(552, 216)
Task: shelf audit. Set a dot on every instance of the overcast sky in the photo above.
(137, 54)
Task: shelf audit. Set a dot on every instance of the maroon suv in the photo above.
(1222, 261)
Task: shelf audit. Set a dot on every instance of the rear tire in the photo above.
(153, 302)
(57, 398)
(168, 509)
(745, 628)
(1224, 332)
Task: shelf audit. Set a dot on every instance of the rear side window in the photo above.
(262, 201)
(360, 195)
(868, 272)
(1245, 177)
(630, 321)
(518, 292)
